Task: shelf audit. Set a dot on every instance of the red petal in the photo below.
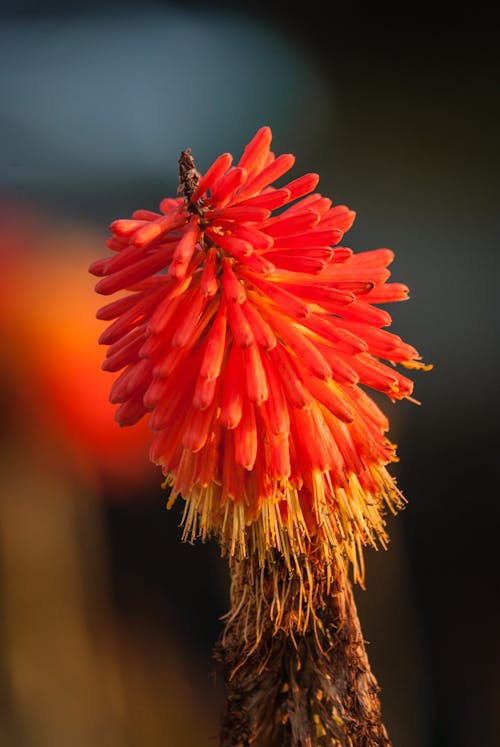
(227, 185)
(327, 328)
(245, 437)
(198, 428)
(168, 204)
(373, 258)
(132, 382)
(330, 395)
(130, 412)
(215, 346)
(388, 293)
(269, 174)
(279, 458)
(232, 392)
(209, 283)
(240, 326)
(138, 271)
(233, 287)
(272, 199)
(152, 231)
(316, 449)
(262, 332)
(213, 174)
(204, 393)
(359, 311)
(189, 319)
(256, 238)
(256, 382)
(177, 292)
(298, 263)
(302, 186)
(257, 150)
(126, 227)
(321, 294)
(127, 352)
(118, 307)
(339, 217)
(145, 215)
(258, 264)
(308, 239)
(292, 385)
(304, 349)
(237, 213)
(235, 246)
(135, 315)
(289, 303)
(341, 364)
(275, 408)
(184, 250)
(289, 225)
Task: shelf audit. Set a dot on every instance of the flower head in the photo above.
(246, 333)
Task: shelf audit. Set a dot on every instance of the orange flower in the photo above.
(245, 331)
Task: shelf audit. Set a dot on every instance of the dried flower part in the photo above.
(290, 687)
(247, 335)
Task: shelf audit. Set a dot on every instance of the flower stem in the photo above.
(307, 688)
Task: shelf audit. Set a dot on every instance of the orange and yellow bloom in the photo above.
(247, 334)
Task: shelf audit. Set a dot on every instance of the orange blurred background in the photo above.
(75, 670)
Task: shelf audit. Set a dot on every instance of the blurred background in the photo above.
(107, 619)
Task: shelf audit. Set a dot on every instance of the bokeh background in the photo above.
(107, 619)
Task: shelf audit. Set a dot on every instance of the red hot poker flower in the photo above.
(244, 331)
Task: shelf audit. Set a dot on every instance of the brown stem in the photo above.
(303, 689)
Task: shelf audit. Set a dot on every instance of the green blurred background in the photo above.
(107, 619)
